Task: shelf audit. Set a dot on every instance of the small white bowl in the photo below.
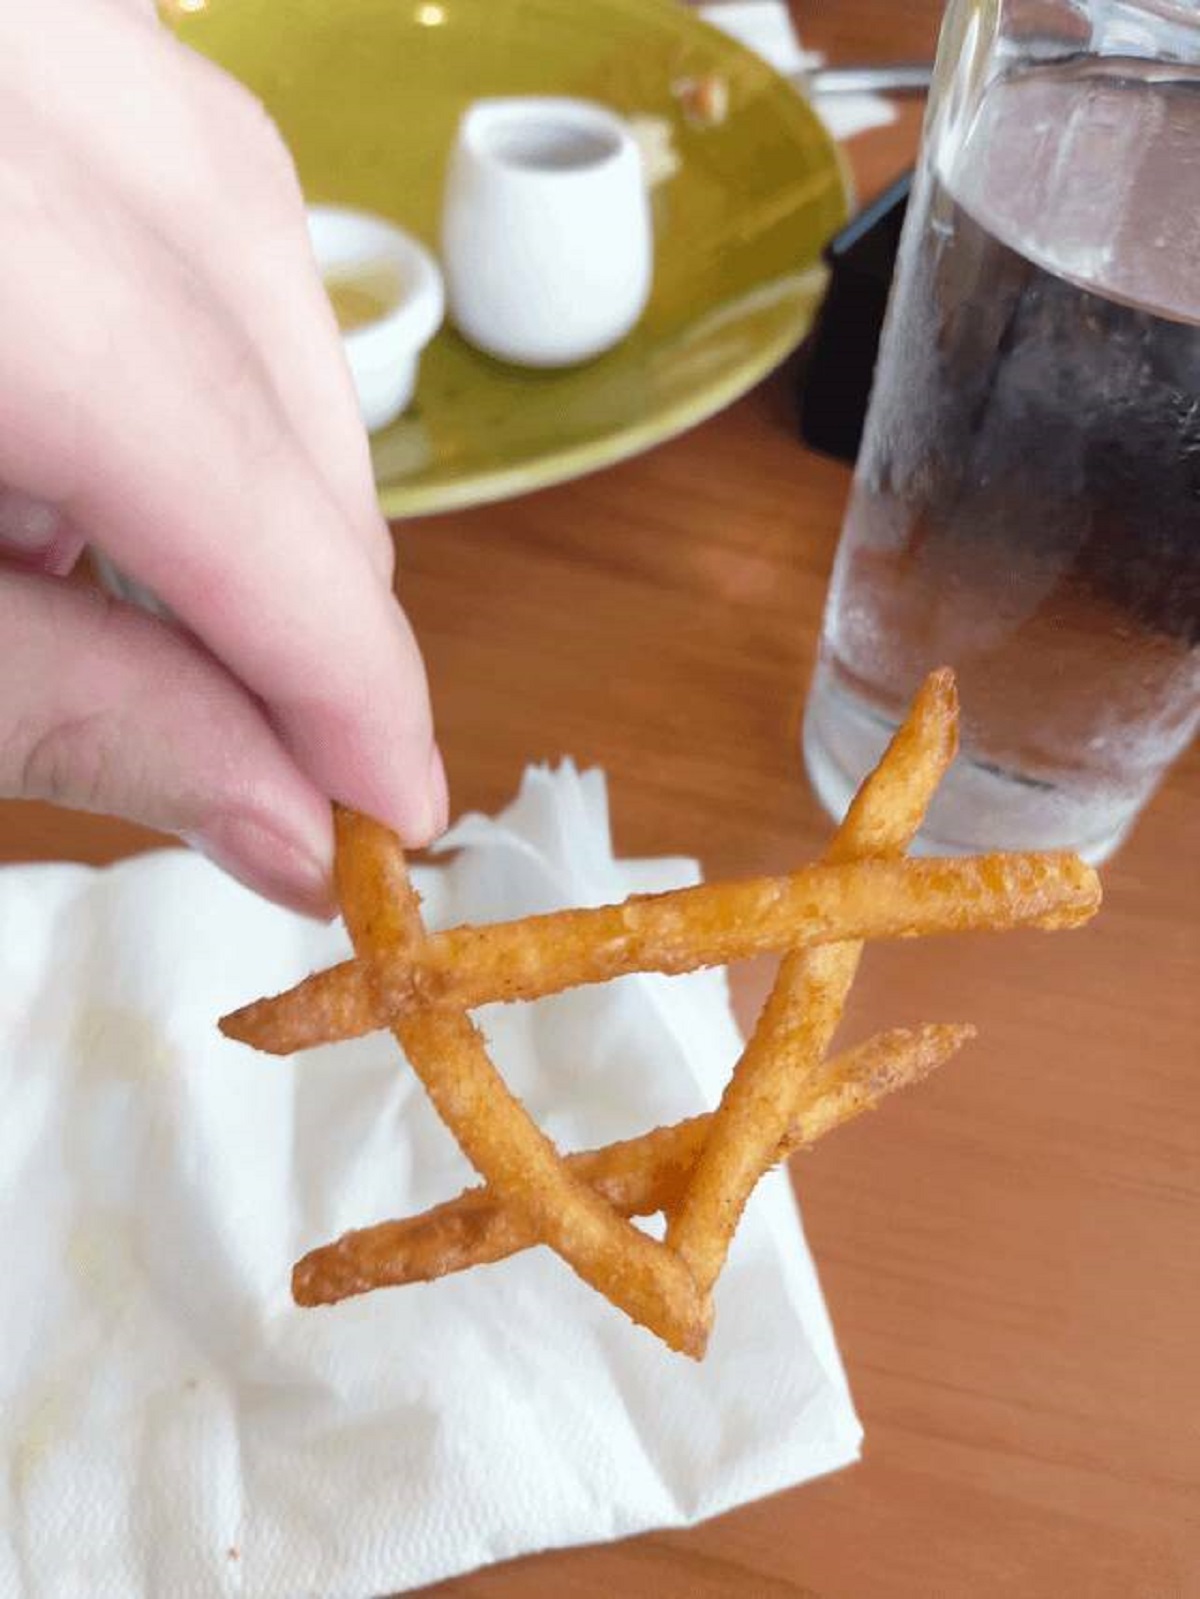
(383, 354)
(546, 233)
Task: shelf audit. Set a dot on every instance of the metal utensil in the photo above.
(897, 78)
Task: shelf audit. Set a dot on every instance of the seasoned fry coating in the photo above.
(638, 1177)
(784, 1092)
(802, 1013)
(492, 1127)
(680, 931)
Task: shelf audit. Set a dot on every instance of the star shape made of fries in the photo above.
(784, 1092)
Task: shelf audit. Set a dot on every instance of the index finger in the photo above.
(175, 455)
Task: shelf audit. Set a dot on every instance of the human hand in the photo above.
(172, 390)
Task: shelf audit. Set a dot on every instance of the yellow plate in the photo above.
(367, 94)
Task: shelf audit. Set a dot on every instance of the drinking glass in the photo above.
(1026, 506)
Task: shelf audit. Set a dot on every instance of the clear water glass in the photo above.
(1026, 506)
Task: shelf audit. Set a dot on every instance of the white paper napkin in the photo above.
(171, 1425)
(766, 27)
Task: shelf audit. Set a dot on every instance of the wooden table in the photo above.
(1011, 1252)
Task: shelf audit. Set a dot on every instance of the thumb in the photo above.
(108, 709)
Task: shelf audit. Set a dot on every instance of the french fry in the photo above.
(638, 1177)
(783, 1093)
(679, 931)
(492, 1128)
(801, 1015)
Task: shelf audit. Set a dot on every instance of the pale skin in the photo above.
(172, 391)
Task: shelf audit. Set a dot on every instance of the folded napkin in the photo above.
(765, 26)
(172, 1425)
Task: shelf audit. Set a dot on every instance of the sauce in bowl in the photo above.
(360, 295)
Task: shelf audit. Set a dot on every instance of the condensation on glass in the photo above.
(1026, 506)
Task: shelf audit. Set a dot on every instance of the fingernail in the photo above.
(34, 534)
(435, 811)
(25, 524)
(439, 792)
(270, 862)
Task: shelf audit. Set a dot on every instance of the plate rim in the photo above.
(572, 462)
(576, 461)
(399, 500)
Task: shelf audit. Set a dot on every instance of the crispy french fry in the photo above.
(638, 1177)
(801, 1015)
(491, 1126)
(783, 1093)
(675, 932)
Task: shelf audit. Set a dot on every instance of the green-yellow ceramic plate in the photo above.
(368, 93)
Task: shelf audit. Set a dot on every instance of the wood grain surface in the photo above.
(1011, 1252)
